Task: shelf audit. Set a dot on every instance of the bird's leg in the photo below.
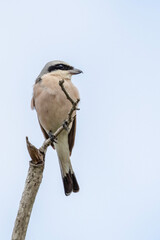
(52, 137)
(65, 125)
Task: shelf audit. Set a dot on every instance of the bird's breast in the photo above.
(51, 103)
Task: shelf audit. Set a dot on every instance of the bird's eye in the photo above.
(60, 66)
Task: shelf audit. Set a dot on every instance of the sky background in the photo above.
(116, 157)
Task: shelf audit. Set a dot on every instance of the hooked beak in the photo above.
(75, 71)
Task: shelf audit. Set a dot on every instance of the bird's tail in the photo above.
(69, 179)
(70, 183)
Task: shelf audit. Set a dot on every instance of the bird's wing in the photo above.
(32, 103)
(71, 136)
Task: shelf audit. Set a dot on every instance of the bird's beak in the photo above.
(75, 71)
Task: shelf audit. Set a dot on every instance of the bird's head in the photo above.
(59, 67)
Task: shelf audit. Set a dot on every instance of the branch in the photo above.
(33, 181)
(64, 90)
(35, 174)
(74, 103)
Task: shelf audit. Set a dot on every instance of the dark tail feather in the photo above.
(70, 183)
(75, 183)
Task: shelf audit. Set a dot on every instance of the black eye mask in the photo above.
(59, 67)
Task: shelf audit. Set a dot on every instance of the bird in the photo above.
(52, 109)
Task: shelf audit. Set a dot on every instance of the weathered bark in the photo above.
(33, 181)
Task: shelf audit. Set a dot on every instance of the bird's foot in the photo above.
(52, 137)
(65, 125)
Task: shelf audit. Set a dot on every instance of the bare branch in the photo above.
(64, 90)
(32, 184)
(35, 174)
(74, 103)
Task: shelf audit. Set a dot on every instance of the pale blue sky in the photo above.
(116, 156)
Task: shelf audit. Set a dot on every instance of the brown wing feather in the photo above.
(32, 103)
(71, 136)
